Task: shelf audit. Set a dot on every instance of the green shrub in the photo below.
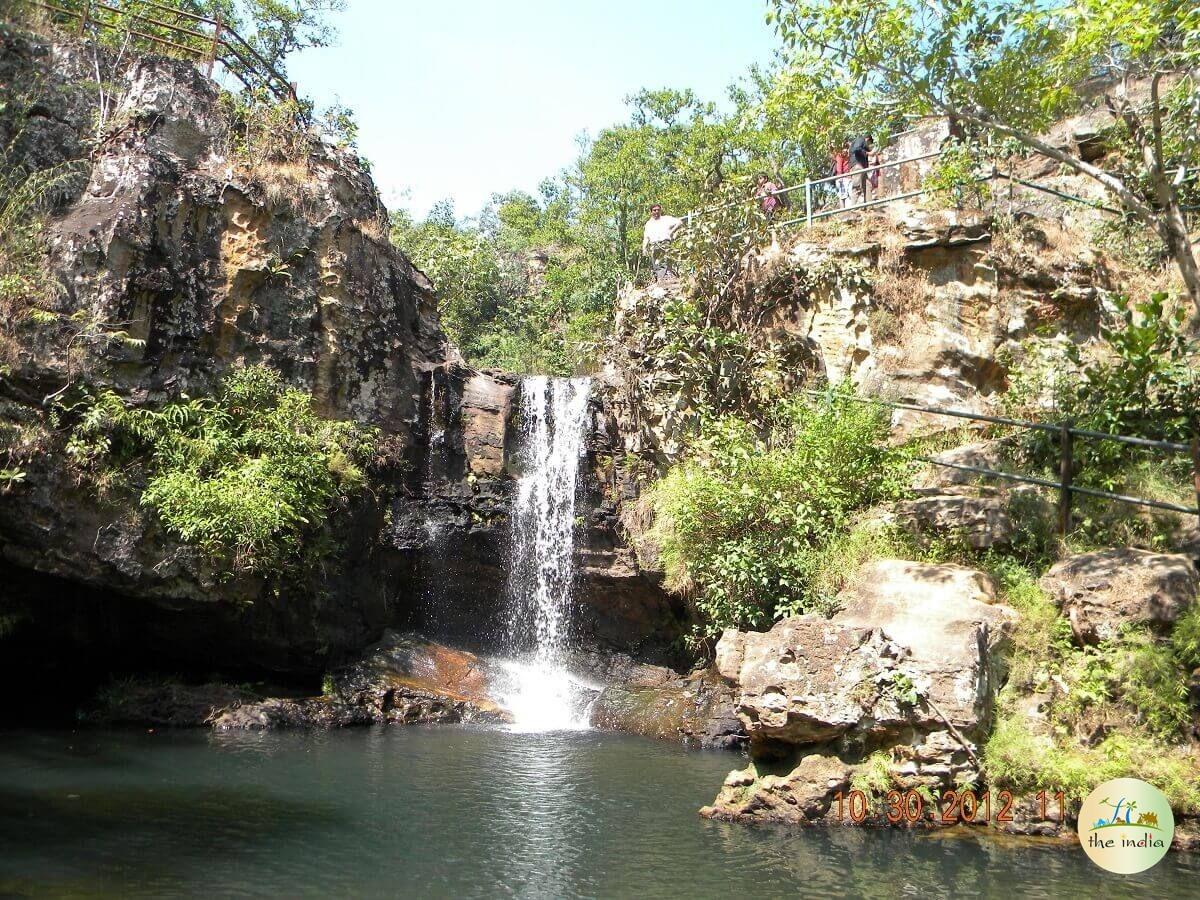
(1023, 761)
(955, 179)
(1185, 637)
(26, 194)
(744, 522)
(1145, 384)
(1129, 679)
(247, 476)
(875, 777)
(1130, 689)
(1142, 382)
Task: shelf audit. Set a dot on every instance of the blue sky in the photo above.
(464, 98)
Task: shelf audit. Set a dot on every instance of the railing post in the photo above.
(212, 53)
(1066, 461)
(1196, 470)
(85, 16)
(808, 202)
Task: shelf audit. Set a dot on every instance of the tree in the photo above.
(463, 266)
(1010, 67)
(274, 28)
(674, 150)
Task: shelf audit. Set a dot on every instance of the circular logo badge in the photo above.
(1125, 825)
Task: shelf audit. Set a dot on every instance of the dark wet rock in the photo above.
(1100, 593)
(456, 531)
(404, 667)
(1187, 834)
(303, 712)
(404, 679)
(173, 240)
(696, 709)
(148, 701)
(1029, 818)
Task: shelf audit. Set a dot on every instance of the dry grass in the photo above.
(899, 291)
(1021, 245)
(374, 230)
(637, 520)
(849, 230)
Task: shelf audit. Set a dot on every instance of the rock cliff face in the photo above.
(454, 523)
(906, 304)
(168, 243)
(207, 263)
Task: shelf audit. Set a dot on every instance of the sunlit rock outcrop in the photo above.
(909, 668)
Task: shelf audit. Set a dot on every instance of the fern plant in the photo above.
(247, 476)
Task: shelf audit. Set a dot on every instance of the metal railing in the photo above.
(193, 36)
(809, 184)
(813, 213)
(1067, 432)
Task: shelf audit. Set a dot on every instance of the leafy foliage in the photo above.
(247, 476)
(274, 28)
(743, 521)
(1023, 761)
(674, 149)
(518, 290)
(1130, 689)
(1185, 637)
(1010, 68)
(1143, 382)
(26, 194)
(955, 178)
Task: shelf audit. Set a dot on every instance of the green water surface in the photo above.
(460, 812)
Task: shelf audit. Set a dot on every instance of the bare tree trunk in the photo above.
(1174, 233)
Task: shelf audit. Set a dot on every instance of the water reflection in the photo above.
(463, 812)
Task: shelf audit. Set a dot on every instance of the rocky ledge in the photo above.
(404, 679)
(908, 669)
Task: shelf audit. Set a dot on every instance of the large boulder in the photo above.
(809, 680)
(947, 618)
(909, 668)
(403, 679)
(1100, 593)
(977, 518)
(804, 795)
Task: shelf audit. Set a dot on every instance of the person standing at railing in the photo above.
(841, 166)
(860, 161)
(765, 191)
(656, 240)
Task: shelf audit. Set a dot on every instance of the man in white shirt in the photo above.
(656, 236)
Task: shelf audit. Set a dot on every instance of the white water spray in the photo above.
(540, 693)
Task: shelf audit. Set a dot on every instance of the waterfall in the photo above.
(541, 694)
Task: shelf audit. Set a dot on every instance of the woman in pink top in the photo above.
(841, 166)
(765, 192)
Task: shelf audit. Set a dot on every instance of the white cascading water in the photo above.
(540, 693)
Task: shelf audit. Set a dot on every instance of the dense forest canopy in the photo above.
(674, 149)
